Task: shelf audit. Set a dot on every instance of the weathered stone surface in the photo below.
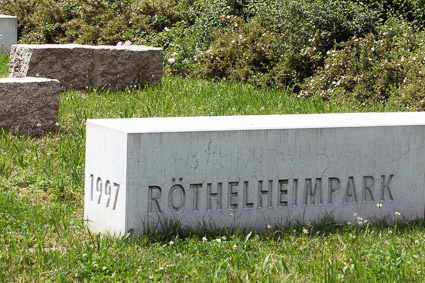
(8, 32)
(80, 66)
(29, 105)
(253, 171)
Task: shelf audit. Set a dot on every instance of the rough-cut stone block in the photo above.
(8, 32)
(29, 105)
(253, 171)
(80, 66)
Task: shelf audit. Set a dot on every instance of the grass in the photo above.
(41, 204)
(4, 65)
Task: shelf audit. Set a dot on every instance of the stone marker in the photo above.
(8, 32)
(253, 171)
(80, 66)
(29, 105)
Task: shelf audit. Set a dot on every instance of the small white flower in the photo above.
(171, 60)
(354, 214)
(171, 243)
(166, 29)
(235, 247)
(397, 214)
(305, 231)
(379, 205)
(204, 239)
(269, 227)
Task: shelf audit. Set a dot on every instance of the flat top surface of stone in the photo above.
(105, 47)
(7, 17)
(259, 122)
(25, 80)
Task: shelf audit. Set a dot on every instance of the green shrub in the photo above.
(104, 22)
(411, 11)
(165, 13)
(387, 67)
(78, 21)
(183, 40)
(284, 42)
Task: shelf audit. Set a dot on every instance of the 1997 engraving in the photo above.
(107, 189)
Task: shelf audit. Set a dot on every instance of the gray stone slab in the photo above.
(29, 105)
(253, 171)
(8, 32)
(81, 66)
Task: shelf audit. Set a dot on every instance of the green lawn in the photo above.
(41, 204)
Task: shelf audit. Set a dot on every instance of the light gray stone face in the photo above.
(253, 171)
(8, 32)
(29, 105)
(81, 66)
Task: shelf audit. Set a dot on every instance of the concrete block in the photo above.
(29, 105)
(81, 66)
(253, 171)
(8, 33)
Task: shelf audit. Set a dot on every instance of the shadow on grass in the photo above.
(167, 230)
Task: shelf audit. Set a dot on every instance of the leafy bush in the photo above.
(387, 67)
(184, 39)
(104, 22)
(411, 11)
(284, 42)
(78, 21)
(165, 13)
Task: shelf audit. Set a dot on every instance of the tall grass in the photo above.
(4, 65)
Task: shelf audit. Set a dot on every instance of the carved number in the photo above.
(107, 189)
(116, 195)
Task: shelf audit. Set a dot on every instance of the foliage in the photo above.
(165, 13)
(78, 21)
(103, 22)
(387, 67)
(284, 43)
(406, 10)
(262, 42)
